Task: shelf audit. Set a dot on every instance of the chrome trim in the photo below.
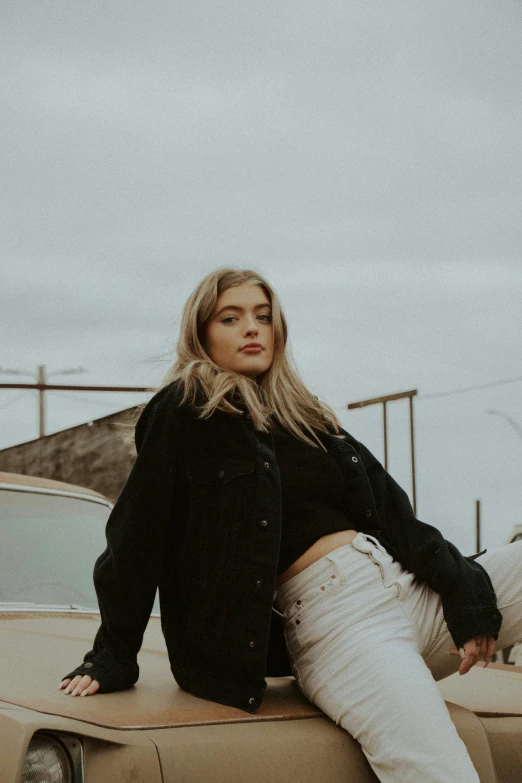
(24, 607)
(62, 492)
(12, 606)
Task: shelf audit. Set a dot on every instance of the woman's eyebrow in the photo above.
(235, 307)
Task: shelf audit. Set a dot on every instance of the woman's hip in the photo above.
(356, 585)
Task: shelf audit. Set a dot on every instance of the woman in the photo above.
(280, 545)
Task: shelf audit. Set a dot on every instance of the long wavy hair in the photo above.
(276, 396)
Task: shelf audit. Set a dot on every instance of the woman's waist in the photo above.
(323, 546)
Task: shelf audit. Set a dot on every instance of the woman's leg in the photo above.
(355, 655)
(504, 566)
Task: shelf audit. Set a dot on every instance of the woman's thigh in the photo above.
(355, 655)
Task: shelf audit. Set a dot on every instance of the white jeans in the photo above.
(367, 640)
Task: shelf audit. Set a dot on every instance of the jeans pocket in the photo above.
(310, 620)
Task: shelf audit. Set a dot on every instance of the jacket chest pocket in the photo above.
(218, 490)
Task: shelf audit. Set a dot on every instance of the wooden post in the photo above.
(388, 398)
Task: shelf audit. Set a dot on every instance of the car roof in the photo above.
(32, 482)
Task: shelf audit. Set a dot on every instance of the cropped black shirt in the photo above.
(311, 489)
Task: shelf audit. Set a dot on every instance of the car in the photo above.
(513, 654)
(51, 534)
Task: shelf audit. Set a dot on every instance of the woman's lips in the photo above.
(252, 349)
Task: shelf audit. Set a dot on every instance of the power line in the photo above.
(471, 388)
(517, 379)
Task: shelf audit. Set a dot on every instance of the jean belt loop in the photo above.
(377, 543)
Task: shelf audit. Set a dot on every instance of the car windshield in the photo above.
(48, 546)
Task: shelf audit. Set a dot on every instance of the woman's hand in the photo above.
(473, 650)
(80, 686)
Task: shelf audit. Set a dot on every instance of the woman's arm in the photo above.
(467, 594)
(127, 573)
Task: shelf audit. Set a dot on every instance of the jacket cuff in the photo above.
(113, 674)
(474, 621)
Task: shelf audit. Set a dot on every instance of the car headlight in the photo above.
(49, 760)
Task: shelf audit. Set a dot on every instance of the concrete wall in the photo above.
(92, 455)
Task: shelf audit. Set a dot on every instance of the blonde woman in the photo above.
(280, 545)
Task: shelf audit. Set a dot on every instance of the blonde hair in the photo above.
(277, 395)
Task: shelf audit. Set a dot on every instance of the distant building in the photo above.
(94, 454)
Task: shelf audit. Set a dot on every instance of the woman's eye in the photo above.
(266, 316)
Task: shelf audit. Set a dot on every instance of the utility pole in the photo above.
(383, 400)
(41, 399)
(42, 386)
(477, 524)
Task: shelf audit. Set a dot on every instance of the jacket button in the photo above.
(221, 474)
(368, 512)
(252, 644)
(263, 523)
(88, 665)
(267, 464)
(259, 583)
(354, 459)
(251, 700)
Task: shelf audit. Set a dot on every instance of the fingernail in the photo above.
(84, 693)
(75, 691)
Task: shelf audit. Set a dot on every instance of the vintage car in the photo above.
(513, 654)
(51, 534)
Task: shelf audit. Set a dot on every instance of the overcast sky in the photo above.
(365, 157)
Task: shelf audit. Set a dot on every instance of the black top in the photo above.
(311, 495)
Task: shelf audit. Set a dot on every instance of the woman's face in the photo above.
(242, 315)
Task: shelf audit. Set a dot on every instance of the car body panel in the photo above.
(490, 692)
(106, 754)
(21, 481)
(41, 649)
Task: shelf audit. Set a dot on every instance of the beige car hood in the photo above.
(38, 648)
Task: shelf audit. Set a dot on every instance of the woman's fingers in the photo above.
(470, 656)
(490, 649)
(69, 684)
(474, 650)
(80, 686)
(91, 689)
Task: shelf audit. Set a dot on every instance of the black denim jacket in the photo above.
(199, 518)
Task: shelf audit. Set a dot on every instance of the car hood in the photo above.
(39, 648)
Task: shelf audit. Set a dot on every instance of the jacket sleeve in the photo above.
(467, 595)
(127, 573)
